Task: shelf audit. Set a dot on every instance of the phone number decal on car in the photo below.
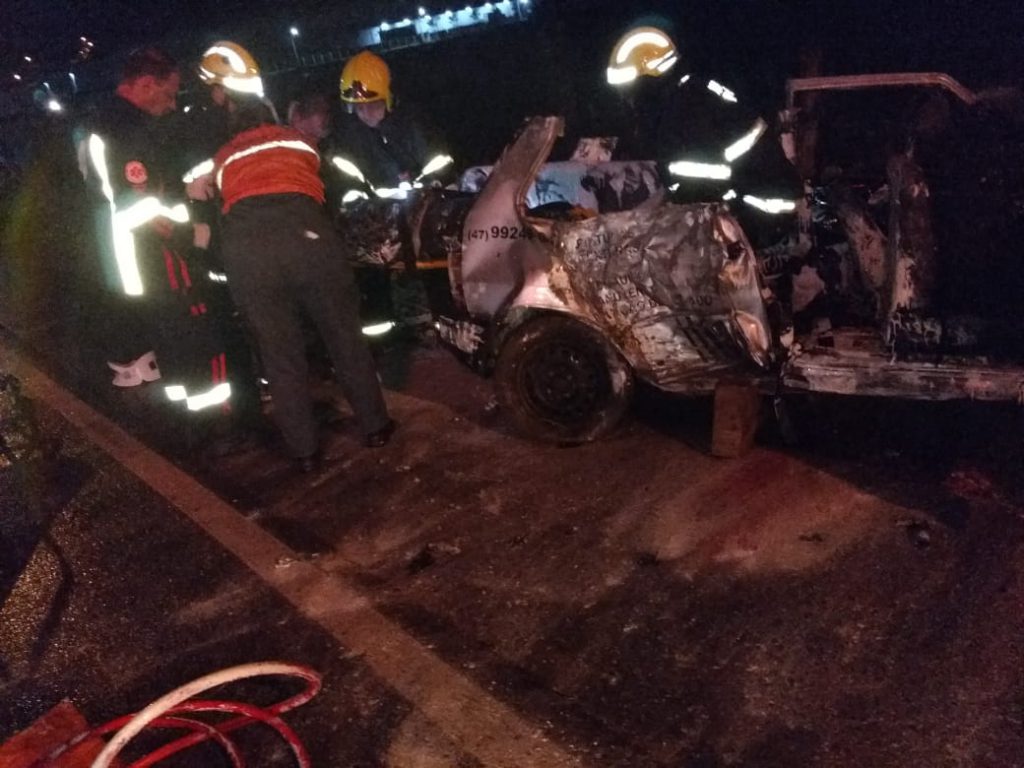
(500, 233)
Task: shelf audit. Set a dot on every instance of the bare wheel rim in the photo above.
(562, 382)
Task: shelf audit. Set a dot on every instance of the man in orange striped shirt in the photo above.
(283, 259)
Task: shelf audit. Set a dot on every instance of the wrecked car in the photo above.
(381, 229)
(568, 302)
(568, 294)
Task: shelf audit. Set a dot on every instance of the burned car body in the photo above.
(417, 231)
(909, 194)
(567, 310)
(567, 296)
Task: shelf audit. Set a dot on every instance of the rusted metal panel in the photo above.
(883, 80)
(910, 237)
(868, 243)
(675, 287)
(844, 374)
(912, 324)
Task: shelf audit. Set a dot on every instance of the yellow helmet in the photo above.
(641, 51)
(365, 78)
(230, 65)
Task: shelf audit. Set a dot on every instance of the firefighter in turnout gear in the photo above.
(391, 149)
(154, 321)
(710, 146)
(387, 144)
(229, 73)
(227, 70)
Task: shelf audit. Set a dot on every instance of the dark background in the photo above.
(476, 89)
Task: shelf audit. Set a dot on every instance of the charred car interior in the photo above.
(913, 224)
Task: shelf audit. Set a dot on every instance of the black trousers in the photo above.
(173, 317)
(284, 260)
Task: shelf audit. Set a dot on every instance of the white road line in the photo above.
(475, 721)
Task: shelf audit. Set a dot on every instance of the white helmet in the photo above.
(641, 52)
(137, 372)
(232, 66)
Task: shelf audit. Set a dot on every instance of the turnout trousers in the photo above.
(283, 260)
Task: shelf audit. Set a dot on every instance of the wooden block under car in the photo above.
(737, 416)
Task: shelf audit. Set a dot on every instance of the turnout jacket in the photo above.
(393, 152)
(123, 157)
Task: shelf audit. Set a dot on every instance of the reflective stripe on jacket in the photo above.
(267, 160)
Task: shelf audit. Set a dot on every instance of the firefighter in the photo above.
(228, 71)
(153, 324)
(225, 68)
(709, 145)
(391, 149)
(387, 144)
(283, 259)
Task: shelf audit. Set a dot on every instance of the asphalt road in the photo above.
(474, 599)
(121, 598)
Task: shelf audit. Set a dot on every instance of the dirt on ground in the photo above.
(854, 600)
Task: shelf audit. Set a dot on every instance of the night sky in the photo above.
(480, 87)
(983, 39)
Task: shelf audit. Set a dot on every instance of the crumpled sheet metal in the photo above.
(373, 232)
(914, 269)
(879, 377)
(425, 229)
(437, 235)
(675, 286)
(869, 245)
(464, 335)
(499, 248)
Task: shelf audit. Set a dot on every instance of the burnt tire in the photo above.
(561, 382)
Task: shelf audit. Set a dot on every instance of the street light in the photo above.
(294, 33)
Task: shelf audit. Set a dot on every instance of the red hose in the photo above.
(250, 714)
(203, 731)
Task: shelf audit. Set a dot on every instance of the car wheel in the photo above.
(561, 382)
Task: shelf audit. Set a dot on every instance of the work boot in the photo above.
(381, 437)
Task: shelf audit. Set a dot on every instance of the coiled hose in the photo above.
(173, 710)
